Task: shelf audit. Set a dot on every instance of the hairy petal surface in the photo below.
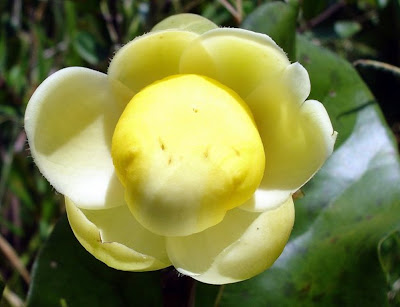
(237, 58)
(115, 237)
(149, 58)
(69, 122)
(185, 22)
(242, 245)
(298, 136)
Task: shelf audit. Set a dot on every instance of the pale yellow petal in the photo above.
(238, 58)
(185, 22)
(243, 245)
(149, 58)
(69, 122)
(298, 136)
(114, 237)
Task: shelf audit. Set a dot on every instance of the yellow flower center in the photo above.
(186, 149)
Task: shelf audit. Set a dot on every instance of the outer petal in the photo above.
(149, 58)
(116, 238)
(186, 22)
(69, 122)
(298, 136)
(243, 245)
(238, 58)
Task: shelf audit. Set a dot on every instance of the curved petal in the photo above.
(116, 238)
(69, 122)
(243, 245)
(298, 136)
(238, 58)
(149, 58)
(185, 22)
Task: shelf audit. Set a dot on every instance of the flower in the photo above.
(186, 153)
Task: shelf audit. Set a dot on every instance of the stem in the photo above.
(219, 296)
(178, 290)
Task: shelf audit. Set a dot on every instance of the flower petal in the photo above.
(238, 58)
(69, 122)
(298, 136)
(116, 238)
(243, 245)
(149, 58)
(185, 22)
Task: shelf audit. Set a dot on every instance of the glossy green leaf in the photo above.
(331, 258)
(278, 20)
(66, 275)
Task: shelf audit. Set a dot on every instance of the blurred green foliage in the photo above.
(38, 37)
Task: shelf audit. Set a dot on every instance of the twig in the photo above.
(239, 9)
(51, 52)
(16, 14)
(7, 162)
(12, 256)
(13, 299)
(323, 16)
(378, 65)
(192, 4)
(234, 12)
(105, 11)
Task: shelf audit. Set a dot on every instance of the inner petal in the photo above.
(228, 55)
(150, 57)
(185, 22)
(187, 150)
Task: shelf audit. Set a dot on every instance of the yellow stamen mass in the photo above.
(187, 150)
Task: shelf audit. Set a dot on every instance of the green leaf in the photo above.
(278, 20)
(389, 256)
(86, 46)
(331, 258)
(64, 274)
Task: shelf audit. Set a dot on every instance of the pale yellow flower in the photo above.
(186, 153)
